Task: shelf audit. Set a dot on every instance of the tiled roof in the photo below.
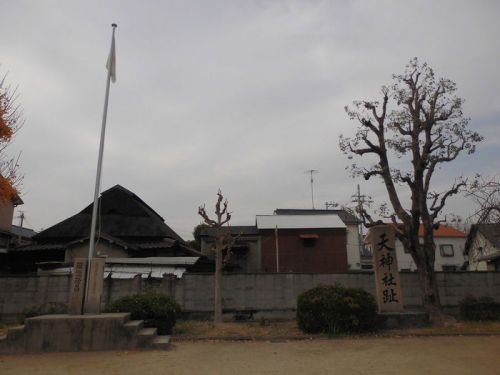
(21, 231)
(443, 231)
(38, 247)
(122, 214)
(490, 257)
(491, 232)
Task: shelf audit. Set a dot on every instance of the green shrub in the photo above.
(48, 308)
(483, 308)
(156, 310)
(336, 310)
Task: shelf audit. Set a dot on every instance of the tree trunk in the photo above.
(218, 286)
(429, 287)
(430, 293)
(424, 258)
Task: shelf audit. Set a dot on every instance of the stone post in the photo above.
(96, 282)
(76, 293)
(382, 240)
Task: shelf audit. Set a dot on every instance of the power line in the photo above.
(360, 200)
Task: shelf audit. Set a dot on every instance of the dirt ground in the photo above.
(425, 355)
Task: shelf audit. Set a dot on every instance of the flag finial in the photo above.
(114, 25)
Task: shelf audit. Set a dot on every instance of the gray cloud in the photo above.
(245, 96)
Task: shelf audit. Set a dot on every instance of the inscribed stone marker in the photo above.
(382, 239)
(96, 281)
(76, 293)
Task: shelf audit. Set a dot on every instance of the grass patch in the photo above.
(454, 328)
(288, 328)
(265, 328)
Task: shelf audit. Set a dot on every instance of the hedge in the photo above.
(156, 310)
(334, 309)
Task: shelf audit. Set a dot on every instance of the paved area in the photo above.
(431, 355)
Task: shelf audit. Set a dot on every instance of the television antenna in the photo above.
(311, 172)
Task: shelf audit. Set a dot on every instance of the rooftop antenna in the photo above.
(311, 172)
(331, 204)
(21, 220)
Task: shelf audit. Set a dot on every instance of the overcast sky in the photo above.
(241, 95)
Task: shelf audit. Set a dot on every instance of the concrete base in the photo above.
(406, 319)
(73, 333)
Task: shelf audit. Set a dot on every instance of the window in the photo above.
(309, 240)
(446, 250)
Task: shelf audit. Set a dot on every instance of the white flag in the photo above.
(111, 64)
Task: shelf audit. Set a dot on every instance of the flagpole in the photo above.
(99, 169)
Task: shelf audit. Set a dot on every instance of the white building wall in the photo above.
(353, 240)
(480, 247)
(405, 261)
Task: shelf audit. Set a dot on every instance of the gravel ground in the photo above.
(423, 355)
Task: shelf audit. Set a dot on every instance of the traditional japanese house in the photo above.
(127, 228)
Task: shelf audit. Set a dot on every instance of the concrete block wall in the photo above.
(258, 292)
(18, 293)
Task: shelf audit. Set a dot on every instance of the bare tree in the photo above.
(418, 126)
(486, 195)
(10, 123)
(458, 222)
(223, 244)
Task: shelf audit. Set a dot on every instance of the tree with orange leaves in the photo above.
(10, 123)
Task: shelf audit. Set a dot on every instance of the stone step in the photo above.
(14, 340)
(161, 342)
(134, 326)
(15, 332)
(148, 332)
(145, 337)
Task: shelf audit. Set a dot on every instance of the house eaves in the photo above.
(299, 221)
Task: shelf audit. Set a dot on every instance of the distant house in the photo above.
(303, 243)
(449, 242)
(127, 228)
(293, 240)
(22, 235)
(482, 248)
(245, 253)
(10, 235)
(353, 244)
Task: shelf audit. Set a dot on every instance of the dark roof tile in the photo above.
(122, 214)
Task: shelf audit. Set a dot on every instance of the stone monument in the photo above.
(77, 291)
(382, 240)
(77, 304)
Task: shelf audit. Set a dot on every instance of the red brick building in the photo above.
(303, 243)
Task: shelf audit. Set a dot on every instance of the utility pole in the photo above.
(277, 249)
(311, 172)
(360, 200)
